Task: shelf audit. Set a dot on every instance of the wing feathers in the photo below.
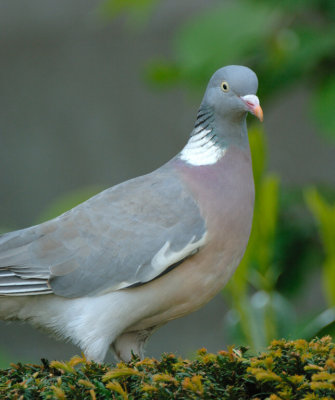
(25, 290)
(5, 273)
(14, 285)
(15, 256)
(126, 235)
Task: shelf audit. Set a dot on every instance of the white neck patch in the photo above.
(201, 149)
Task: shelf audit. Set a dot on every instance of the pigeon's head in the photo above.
(231, 92)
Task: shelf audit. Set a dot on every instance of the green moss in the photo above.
(287, 370)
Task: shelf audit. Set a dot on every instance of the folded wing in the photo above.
(125, 236)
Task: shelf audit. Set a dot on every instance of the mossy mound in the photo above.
(287, 370)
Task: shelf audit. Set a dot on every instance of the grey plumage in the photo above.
(110, 271)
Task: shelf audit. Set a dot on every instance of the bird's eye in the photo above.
(225, 86)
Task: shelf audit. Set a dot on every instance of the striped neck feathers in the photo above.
(203, 146)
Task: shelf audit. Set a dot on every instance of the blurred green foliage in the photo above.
(324, 214)
(261, 306)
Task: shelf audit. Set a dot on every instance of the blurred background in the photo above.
(95, 92)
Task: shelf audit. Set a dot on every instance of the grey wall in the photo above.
(75, 111)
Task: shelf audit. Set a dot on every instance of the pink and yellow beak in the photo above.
(252, 102)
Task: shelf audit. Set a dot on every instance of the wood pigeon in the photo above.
(110, 271)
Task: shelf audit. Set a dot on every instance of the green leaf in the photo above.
(268, 203)
(323, 107)
(327, 330)
(322, 324)
(328, 278)
(266, 216)
(324, 214)
(258, 153)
